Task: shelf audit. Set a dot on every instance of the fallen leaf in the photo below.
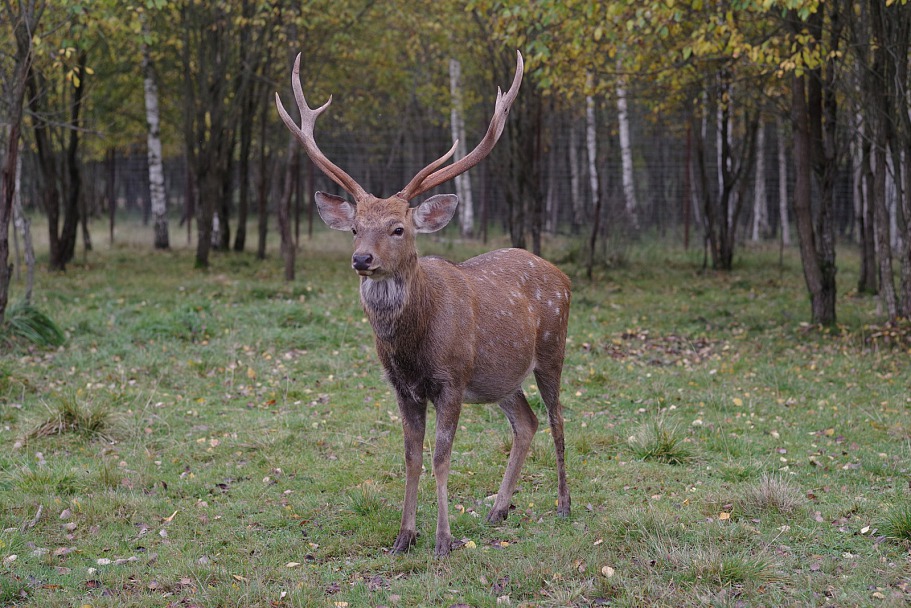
(724, 515)
(292, 564)
(238, 577)
(171, 518)
(607, 571)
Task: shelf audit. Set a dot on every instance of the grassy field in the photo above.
(223, 438)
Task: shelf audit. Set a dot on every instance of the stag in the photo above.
(449, 333)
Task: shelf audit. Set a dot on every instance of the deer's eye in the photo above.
(398, 231)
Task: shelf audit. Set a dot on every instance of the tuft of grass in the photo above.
(25, 322)
(729, 569)
(773, 493)
(897, 522)
(68, 416)
(365, 500)
(660, 440)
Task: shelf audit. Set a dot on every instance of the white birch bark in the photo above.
(783, 184)
(857, 174)
(575, 185)
(159, 203)
(626, 155)
(760, 207)
(592, 147)
(457, 123)
(22, 225)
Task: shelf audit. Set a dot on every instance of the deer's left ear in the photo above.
(434, 213)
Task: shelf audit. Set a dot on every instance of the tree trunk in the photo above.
(157, 197)
(592, 149)
(869, 279)
(822, 294)
(74, 186)
(760, 205)
(457, 124)
(262, 191)
(784, 218)
(881, 227)
(49, 194)
(23, 227)
(575, 180)
(626, 157)
(284, 210)
(25, 23)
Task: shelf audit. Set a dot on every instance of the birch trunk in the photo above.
(575, 179)
(23, 226)
(626, 156)
(591, 146)
(783, 185)
(457, 123)
(159, 202)
(760, 207)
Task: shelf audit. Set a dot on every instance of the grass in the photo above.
(223, 438)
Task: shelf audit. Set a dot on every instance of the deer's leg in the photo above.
(549, 384)
(414, 417)
(448, 411)
(524, 424)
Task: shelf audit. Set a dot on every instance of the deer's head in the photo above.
(384, 228)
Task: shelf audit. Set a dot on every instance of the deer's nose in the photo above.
(361, 261)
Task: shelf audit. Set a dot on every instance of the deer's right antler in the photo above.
(428, 178)
(304, 135)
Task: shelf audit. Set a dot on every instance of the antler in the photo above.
(429, 177)
(304, 134)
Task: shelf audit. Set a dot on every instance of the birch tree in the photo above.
(784, 218)
(760, 207)
(457, 125)
(626, 155)
(591, 143)
(159, 203)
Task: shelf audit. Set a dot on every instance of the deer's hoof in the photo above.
(444, 546)
(497, 515)
(404, 541)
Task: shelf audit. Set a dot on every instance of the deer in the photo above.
(449, 333)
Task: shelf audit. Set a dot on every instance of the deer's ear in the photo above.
(434, 213)
(335, 211)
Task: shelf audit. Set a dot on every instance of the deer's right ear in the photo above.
(335, 211)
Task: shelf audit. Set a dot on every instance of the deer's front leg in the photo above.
(448, 410)
(414, 417)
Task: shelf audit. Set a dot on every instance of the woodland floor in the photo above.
(224, 438)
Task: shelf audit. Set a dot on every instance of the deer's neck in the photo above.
(390, 304)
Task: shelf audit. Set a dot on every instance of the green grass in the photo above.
(223, 438)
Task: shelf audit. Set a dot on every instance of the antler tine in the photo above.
(304, 135)
(425, 180)
(417, 179)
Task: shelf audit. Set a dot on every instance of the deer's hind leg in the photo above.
(524, 424)
(548, 378)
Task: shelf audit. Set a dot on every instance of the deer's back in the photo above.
(520, 308)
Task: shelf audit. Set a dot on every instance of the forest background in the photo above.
(709, 123)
